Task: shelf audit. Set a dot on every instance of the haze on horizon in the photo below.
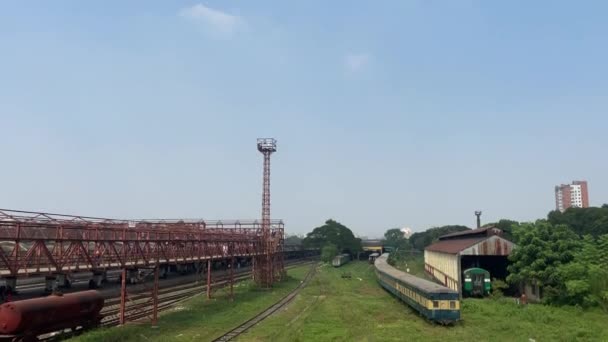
(399, 114)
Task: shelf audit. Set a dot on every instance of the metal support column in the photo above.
(232, 278)
(123, 296)
(209, 279)
(155, 297)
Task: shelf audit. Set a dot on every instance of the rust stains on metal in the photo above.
(492, 245)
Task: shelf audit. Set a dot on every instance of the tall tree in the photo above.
(335, 233)
(584, 281)
(542, 248)
(421, 240)
(395, 238)
(583, 221)
(506, 226)
(293, 240)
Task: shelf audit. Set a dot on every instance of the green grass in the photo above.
(199, 319)
(335, 309)
(415, 263)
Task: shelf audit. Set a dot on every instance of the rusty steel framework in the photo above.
(269, 265)
(33, 243)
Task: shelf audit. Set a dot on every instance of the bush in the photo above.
(328, 252)
(498, 287)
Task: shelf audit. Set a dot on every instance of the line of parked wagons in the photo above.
(433, 301)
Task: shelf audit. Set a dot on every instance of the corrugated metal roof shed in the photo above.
(478, 245)
(453, 246)
(479, 232)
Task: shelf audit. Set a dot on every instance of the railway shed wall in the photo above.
(446, 259)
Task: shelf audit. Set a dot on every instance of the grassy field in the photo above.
(201, 320)
(335, 309)
(415, 264)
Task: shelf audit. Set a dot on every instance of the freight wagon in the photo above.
(340, 260)
(433, 301)
(24, 320)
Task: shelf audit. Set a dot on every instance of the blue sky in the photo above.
(392, 113)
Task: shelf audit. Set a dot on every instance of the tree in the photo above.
(583, 221)
(333, 232)
(421, 240)
(294, 240)
(506, 226)
(328, 252)
(584, 281)
(542, 248)
(395, 238)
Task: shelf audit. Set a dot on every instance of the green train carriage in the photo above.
(477, 282)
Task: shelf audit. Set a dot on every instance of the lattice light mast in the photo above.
(264, 263)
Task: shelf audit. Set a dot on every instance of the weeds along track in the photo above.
(272, 309)
(139, 305)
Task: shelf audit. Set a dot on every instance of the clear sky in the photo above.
(391, 113)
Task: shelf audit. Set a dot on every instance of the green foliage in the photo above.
(571, 270)
(583, 221)
(328, 252)
(395, 238)
(507, 227)
(421, 240)
(498, 288)
(584, 281)
(333, 232)
(293, 240)
(541, 250)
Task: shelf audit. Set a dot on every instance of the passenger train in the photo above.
(433, 301)
(340, 260)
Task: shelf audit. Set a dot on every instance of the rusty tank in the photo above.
(32, 317)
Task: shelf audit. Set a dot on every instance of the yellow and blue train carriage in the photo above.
(433, 301)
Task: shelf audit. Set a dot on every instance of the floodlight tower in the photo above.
(478, 214)
(264, 264)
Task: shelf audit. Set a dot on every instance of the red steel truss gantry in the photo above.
(33, 243)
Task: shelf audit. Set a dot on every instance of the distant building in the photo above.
(573, 195)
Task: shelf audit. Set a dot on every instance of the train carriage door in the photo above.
(478, 283)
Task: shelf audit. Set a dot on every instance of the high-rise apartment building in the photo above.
(571, 195)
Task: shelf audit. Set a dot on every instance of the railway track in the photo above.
(139, 307)
(139, 304)
(264, 314)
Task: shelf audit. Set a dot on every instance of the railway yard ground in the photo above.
(337, 308)
(333, 308)
(199, 319)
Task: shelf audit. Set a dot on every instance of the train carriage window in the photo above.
(435, 304)
(452, 304)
